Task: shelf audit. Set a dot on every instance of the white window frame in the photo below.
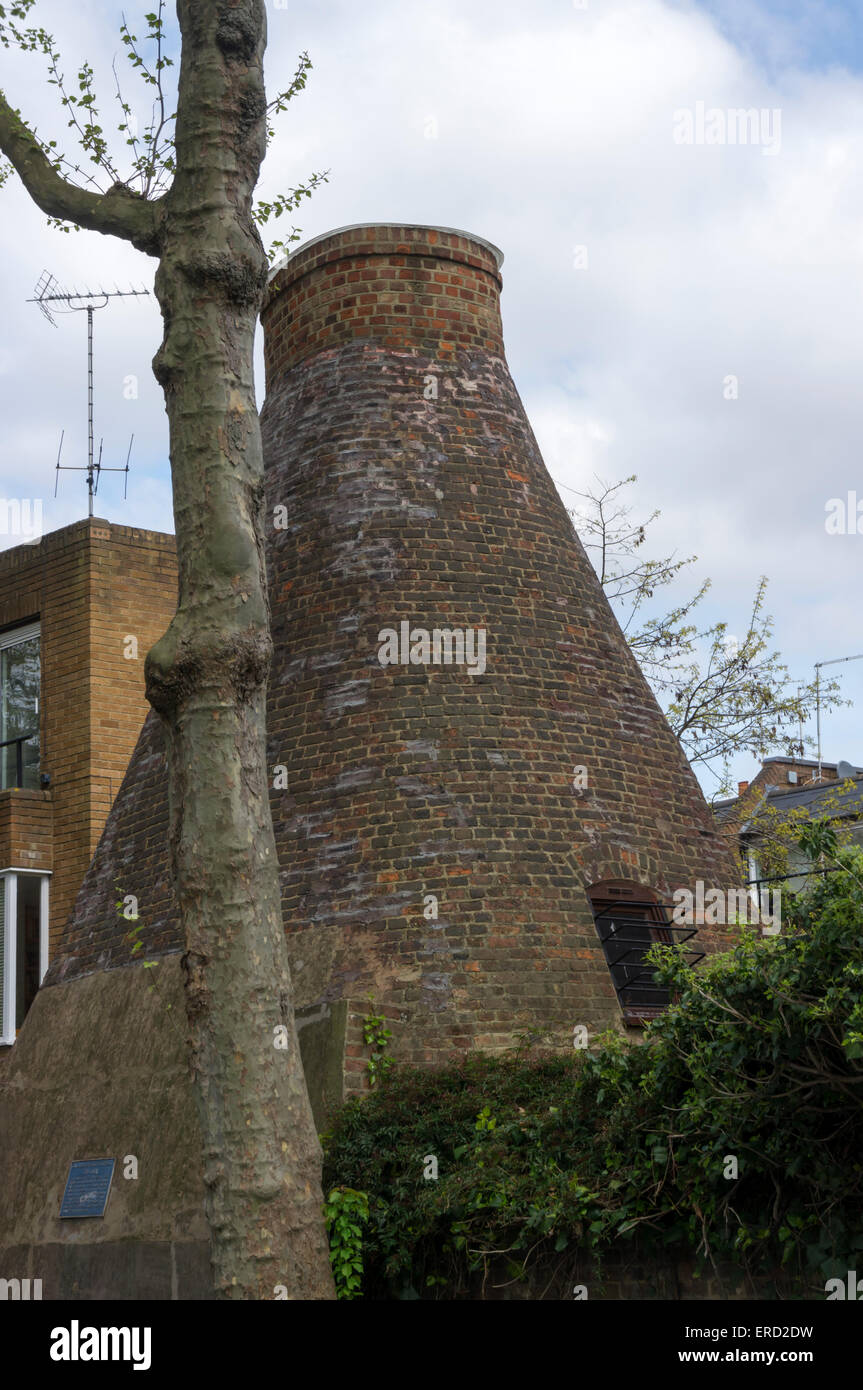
(9, 944)
(754, 876)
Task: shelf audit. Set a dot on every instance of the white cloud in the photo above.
(554, 129)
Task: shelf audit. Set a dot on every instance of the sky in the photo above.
(676, 305)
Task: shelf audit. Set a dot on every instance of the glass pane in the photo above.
(19, 714)
(30, 763)
(27, 956)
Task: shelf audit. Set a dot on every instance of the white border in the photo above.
(10, 943)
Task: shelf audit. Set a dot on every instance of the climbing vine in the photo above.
(376, 1035)
(345, 1212)
(127, 909)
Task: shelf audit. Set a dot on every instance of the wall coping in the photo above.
(77, 534)
(368, 226)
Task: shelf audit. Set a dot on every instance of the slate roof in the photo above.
(839, 799)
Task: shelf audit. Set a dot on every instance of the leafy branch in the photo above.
(152, 152)
(345, 1212)
(283, 203)
(720, 695)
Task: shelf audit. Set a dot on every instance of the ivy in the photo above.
(376, 1035)
(345, 1212)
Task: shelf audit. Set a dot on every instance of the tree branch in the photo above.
(119, 212)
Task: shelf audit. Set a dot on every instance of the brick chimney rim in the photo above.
(364, 226)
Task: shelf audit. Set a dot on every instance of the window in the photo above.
(23, 945)
(629, 920)
(19, 708)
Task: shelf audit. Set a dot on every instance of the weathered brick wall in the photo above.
(90, 585)
(131, 859)
(414, 490)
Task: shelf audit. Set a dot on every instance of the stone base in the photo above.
(100, 1070)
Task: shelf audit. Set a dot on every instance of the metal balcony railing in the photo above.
(16, 769)
(626, 938)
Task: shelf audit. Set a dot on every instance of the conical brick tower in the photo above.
(470, 774)
(445, 821)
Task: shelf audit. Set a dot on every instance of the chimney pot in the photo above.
(742, 787)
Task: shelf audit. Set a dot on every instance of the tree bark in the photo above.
(207, 679)
(207, 676)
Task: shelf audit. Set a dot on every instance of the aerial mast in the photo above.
(48, 293)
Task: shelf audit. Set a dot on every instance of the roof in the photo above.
(803, 762)
(837, 798)
(722, 809)
(847, 797)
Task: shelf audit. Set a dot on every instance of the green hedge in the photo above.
(760, 1060)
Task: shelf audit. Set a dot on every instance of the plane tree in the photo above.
(183, 194)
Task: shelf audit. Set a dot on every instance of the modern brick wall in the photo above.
(90, 585)
(414, 491)
(26, 830)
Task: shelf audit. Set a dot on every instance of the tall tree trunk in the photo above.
(207, 680)
(207, 676)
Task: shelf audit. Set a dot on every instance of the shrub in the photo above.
(759, 1061)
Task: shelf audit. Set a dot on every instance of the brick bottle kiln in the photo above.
(470, 773)
(416, 501)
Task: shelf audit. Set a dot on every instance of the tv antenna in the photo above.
(52, 299)
(837, 660)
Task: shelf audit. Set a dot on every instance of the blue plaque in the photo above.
(87, 1187)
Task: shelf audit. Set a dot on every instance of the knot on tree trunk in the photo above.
(235, 277)
(198, 997)
(239, 30)
(232, 664)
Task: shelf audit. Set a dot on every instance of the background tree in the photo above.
(188, 201)
(787, 842)
(721, 694)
